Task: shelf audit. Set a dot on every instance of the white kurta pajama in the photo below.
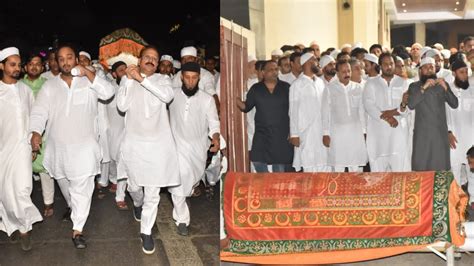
(148, 151)
(289, 77)
(306, 123)
(461, 124)
(388, 148)
(17, 211)
(193, 120)
(72, 155)
(343, 119)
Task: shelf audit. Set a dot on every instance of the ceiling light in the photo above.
(457, 2)
(404, 10)
(403, 4)
(455, 9)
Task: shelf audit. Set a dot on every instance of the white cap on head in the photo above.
(86, 54)
(432, 53)
(346, 45)
(446, 53)
(8, 52)
(166, 57)
(371, 58)
(305, 57)
(424, 50)
(427, 60)
(251, 58)
(277, 52)
(334, 53)
(357, 45)
(325, 60)
(188, 51)
(176, 64)
(438, 46)
(313, 43)
(399, 58)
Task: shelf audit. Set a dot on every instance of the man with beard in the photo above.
(305, 119)
(372, 67)
(430, 137)
(343, 121)
(115, 135)
(328, 66)
(53, 65)
(148, 151)
(461, 120)
(295, 69)
(34, 67)
(193, 117)
(17, 212)
(166, 65)
(441, 72)
(284, 66)
(385, 100)
(270, 144)
(66, 109)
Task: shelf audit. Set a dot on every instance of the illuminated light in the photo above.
(457, 3)
(404, 10)
(455, 9)
(403, 4)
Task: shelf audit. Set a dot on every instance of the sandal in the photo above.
(122, 205)
(48, 210)
(197, 192)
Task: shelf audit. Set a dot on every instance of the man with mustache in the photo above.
(148, 156)
(430, 137)
(34, 67)
(328, 66)
(385, 102)
(295, 69)
(16, 208)
(372, 67)
(66, 109)
(343, 119)
(166, 65)
(53, 65)
(193, 117)
(461, 120)
(305, 119)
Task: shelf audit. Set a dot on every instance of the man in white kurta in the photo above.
(461, 120)
(343, 119)
(296, 70)
(305, 119)
(387, 126)
(194, 119)
(148, 156)
(328, 67)
(17, 211)
(66, 109)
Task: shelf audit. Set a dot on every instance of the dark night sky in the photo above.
(32, 25)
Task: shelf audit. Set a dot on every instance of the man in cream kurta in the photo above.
(17, 212)
(66, 107)
(461, 120)
(193, 116)
(387, 126)
(148, 151)
(343, 119)
(305, 119)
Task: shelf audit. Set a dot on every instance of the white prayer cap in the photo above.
(371, 58)
(399, 58)
(432, 53)
(446, 53)
(277, 52)
(176, 64)
(251, 58)
(334, 53)
(427, 60)
(8, 52)
(424, 50)
(86, 54)
(188, 51)
(325, 60)
(313, 43)
(166, 57)
(357, 45)
(305, 57)
(438, 46)
(346, 45)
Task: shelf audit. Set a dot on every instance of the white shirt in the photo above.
(288, 77)
(193, 120)
(446, 74)
(305, 122)
(206, 82)
(250, 115)
(148, 150)
(382, 139)
(343, 119)
(70, 118)
(116, 121)
(48, 75)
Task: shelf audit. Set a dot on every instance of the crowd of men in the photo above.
(382, 110)
(141, 127)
